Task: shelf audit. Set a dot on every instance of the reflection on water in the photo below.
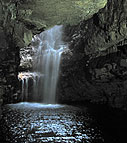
(39, 123)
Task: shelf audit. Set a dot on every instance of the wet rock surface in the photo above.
(9, 61)
(37, 123)
(96, 69)
(26, 58)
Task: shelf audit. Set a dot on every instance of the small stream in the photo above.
(41, 123)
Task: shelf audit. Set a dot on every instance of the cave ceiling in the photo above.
(53, 12)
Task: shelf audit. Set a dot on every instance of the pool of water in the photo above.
(42, 123)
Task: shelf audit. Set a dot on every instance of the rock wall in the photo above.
(20, 20)
(93, 69)
(96, 67)
(15, 33)
(9, 61)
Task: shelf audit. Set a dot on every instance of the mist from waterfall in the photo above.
(49, 47)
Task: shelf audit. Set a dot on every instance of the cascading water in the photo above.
(46, 65)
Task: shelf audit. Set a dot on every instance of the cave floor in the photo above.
(37, 123)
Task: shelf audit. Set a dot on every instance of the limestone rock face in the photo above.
(26, 58)
(9, 61)
(53, 12)
(20, 20)
(96, 70)
(25, 18)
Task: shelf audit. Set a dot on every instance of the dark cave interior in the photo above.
(91, 93)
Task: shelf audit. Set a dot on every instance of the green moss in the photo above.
(89, 7)
(27, 37)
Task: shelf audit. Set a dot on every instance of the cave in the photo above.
(63, 71)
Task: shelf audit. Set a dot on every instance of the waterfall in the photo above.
(46, 65)
(25, 82)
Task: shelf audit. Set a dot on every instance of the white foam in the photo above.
(36, 105)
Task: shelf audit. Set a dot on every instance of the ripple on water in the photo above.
(41, 123)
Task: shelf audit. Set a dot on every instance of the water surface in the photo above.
(41, 123)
